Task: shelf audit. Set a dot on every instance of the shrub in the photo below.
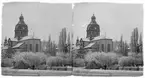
(127, 61)
(138, 58)
(62, 54)
(114, 67)
(29, 60)
(113, 58)
(78, 62)
(54, 61)
(41, 67)
(41, 57)
(20, 65)
(7, 62)
(136, 55)
(139, 61)
(102, 58)
(133, 54)
(93, 65)
(89, 57)
(3, 54)
(67, 58)
(67, 61)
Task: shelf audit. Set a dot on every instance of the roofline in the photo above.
(99, 39)
(30, 39)
(102, 39)
(14, 40)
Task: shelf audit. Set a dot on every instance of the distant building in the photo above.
(21, 41)
(93, 40)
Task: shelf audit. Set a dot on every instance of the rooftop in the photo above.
(101, 37)
(18, 45)
(90, 45)
(96, 38)
(13, 39)
(28, 37)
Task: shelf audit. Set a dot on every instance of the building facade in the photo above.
(94, 41)
(23, 42)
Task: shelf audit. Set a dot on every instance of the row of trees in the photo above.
(111, 60)
(123, 47)
(136, 44)
(64, 41)
(136, 41)
(51, 47)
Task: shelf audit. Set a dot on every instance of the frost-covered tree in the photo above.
(62, 40)
(140, 43)
(134, 40)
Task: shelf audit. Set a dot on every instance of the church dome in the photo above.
(21, 24)
(93, 29)
(21, 29)
(93, 24)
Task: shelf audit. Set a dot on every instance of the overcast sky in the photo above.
(44, 19)
(114, 19)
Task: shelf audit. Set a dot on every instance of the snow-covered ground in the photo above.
(99, 72)
(29, 72)
(76, 71)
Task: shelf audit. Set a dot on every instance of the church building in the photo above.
(94, 41)
(22, 41)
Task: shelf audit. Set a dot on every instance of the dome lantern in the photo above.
(21, 17)
(93, 17)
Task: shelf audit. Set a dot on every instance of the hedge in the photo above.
(31, 60)
(7, 62)
(101, 58)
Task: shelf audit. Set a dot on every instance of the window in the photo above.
(103, 47)
(30, 47)
(36, 47)
(108, 48)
